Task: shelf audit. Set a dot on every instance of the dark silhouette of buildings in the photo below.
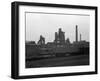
(59, 37)
(41, 40)
(60, 46)
(67, 41)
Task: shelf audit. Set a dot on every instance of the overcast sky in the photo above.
(47, 24)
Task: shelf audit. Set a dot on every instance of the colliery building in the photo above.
(60, 46)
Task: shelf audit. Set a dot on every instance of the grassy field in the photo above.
(59, 61)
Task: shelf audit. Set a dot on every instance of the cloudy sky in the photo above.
(47, 24)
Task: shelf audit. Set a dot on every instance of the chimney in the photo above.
(80, 37)
(76, 33)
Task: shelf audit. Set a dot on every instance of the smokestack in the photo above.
(76, 33)
(80, 37)
(56, 36)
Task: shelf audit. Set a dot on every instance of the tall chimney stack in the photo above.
(80, 37)
(76, 33)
